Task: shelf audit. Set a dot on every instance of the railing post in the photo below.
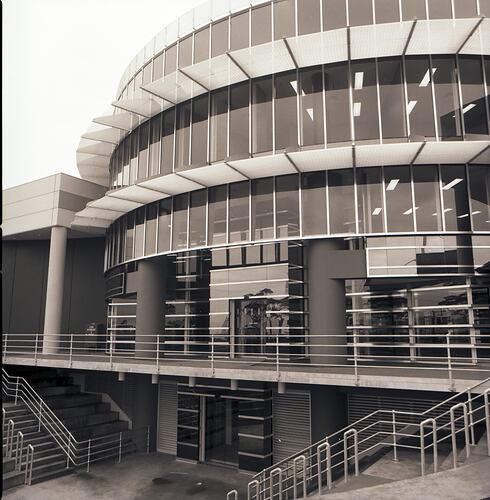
(352, 432)
(449, 364)
(250, 485)
(422, 444)
(68, 452)
(453, 432)
(40, 414)
(10, 438)
(395, 453)
(356, 372)
(16, 390)
(277, 470)
(110, 349)
(301, 459)
(148, 440)
(19, 445)
(232, 495)
(29, 461)
(324, 446)
(470, 414)
(88, 454)
(120, 446)
(487, 417)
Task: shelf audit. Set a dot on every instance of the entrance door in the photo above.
(250, 326)
(221, 435)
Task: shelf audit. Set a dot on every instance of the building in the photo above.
(296, 204)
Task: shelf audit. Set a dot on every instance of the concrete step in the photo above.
(74, 423)
(47, 475)
(99, 430)
(55, 402)
(8, 464)
(45, 392)
(12, 478)
(78, 411)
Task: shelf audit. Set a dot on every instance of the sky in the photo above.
(62, 62)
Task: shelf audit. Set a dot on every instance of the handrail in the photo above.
(10, 438)
(29, 464)
(19, 447)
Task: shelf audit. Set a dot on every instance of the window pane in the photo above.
(427, 198)
(151, 229)
(239, 37)
(480, 196)
(154, 152)
(446, 91)
(164, 221)
(286, 110)
(133, 157)
(337, 103)
(474, 110)
(219, 38)
(167, 157)
(126, 161)
(311, 81)
(262, 208)
(143, 153)
(219, 124)
(387, 11)
(179, 225)
(284, 18)
(239, 99)
(485, 7)
(217, 215)
(440, 9)
(171, 59)
(419, 96)
(341, 201)
(262, 114)
(287, 206)
(261, 25)
(182, 137)
(197, 218)
(360, 12)
(158, 67)
(309, 17)
(413, 8)
(465, 8)
(334, 14)
(139, 232)
(370, 200)
(391, 98)
(201, 45)
(313, 203)
(200, 130)
(239, 206)
(399, 210)
(365, 100)
(128, 252)
(147, 74)
(455, 198)
(185, 52)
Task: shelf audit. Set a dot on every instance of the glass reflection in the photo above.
(455, 198)
(239, 212)
(311, 81)
(217, 215)
(262, 115)
(286, 113)
(398, 192)
(427, 198)
(337, 103)
(313, 199)
(197, 218)
(342, 214)
(287, 205)
(480, 196)
(370, 200)
(262, 209)
(179, 222)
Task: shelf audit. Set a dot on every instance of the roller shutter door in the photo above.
(291, 423)
(167, 418)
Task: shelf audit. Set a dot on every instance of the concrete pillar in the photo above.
(327, 307)
(54, 291)
(150, 305)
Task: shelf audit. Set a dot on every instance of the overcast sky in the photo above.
(62, 61)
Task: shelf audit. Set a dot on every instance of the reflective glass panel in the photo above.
(455, 198)
(287, 205)
(239, 37)
(485, 7)
(126, 161)
(147, 74)
(151, 229)
(398, 191)
(412, 9)
(427, 198)
(199, 153)
(341, 201)
(286, 112)
(262, 114)
(167, 155)
(480, 196)
(133, 157)
(183, 120)
(158, 67)
(239, 212)
(239, 100)
(311, 81)
(185, 52)
(440, 9)
(217, 215)
(128, 251)
(139, 241)
(261, 25)
(219, 124)
(197, 218)
(313, 203)
(179, 222)
(219, 38)
(262, 209)
(465, 8)
(154, 152)
(370, 200)
(201, 45)
(337, 103)
(144, 130)
(284, 18)
(164, 221)
(309, 17)
(360, 12)
(387, 11)
(171, 59)
(334, 14)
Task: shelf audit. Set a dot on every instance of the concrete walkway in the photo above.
(139, 477)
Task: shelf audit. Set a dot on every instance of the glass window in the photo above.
(217, 215)
(261, 25)
(201, 45)
(485, 8)
(128, 251)
(419, 96)
(309, 17)
(391, 98)
(167, 156)
(427, 198)
(138, 81)
(262, 114)
(455, 198)
(262, 209)
(133, 157)
(171, 59)
(313, 203)
(465, 8)
(154, 153)
(219, 38)
(365, 100)
(158, 67)
(337, 103)
(219, 124)
(370, 200)
(126, 161)
(183, 120)
(151, 229)
(143, 153)
(474, 109)
(412, 9)
(446, 93)
(239, 37)
(334, 14)
(197, 218)
(179, 222)
(200, 130)
(185, 52)
(139, 232)
(387, 11)
(284, 18)
(311, 81)
(286, 112)
(399, 210)
(360, 12)
(147, 74)
(238, 215)
(341, 201)
(440, 9)
(287, 206)
(239, 99)
(164, 222)
(480, 196)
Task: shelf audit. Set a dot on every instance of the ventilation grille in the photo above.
(167, 418)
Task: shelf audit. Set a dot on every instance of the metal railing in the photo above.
(78, 453)
(340, 454)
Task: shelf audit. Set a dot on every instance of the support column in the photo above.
(150, 305)
(327, 307)
(54, 291)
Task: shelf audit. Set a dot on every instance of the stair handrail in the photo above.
(19, 447)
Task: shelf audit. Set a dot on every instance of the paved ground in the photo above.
(139, 477)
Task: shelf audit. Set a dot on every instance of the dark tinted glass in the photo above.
(440, 9)
(287, 206)
(164, 221)
(399, 210)
(171, 59)
(334, 14)
(219, 38)
(313, 203)
(133, 157)
(179, 222)
(286, 112)
(183, 120)
(197, 218)
(144, 133)
(219, 124)
(201, 45)
(412, 9)
(139, 229)
(455, 198)
(151, 229)
(217, 215)
(238, 215)
(239, 100)
(480, 196)
(154, 153)
(262, 114)
(360, 12)
(167, 158)
(311, 81)
(185, 52)
(309, 17)
(239, 36)
(427, 198)
(262, 209)
(284, 18)
(128, 251)
(337, 103)
(261, 25)
(370, 200)
(342, 212)
(199, 130)
(387, 11)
